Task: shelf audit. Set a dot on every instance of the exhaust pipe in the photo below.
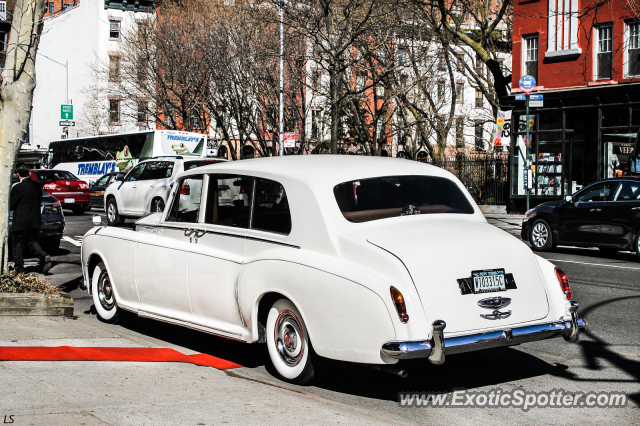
(393, 369)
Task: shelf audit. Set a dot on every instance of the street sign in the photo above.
(66, 123)
(521, 97)
(289, 140)
(527, 83)
(538, 104)
(536, 97)
(212, 147)
(66, 112)
(527, 179)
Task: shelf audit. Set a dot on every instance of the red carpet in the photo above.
(68, 353)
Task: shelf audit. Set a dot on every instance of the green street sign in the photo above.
(66, 112)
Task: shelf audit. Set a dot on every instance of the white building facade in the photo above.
(71, 42)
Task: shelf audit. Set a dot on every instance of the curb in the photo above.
(20, 304)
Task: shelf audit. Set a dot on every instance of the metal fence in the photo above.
(485, 178)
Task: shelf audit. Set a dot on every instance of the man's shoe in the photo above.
(45, 265)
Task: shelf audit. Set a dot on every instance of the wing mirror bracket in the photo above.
(97, 220)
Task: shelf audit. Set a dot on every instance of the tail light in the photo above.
(185, 189)
(50, 186)
(563, 280)
(401, 308)
(83, 185)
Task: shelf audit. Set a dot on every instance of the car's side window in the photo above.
(627, 191)
(186, 202)
(229, 200)
(103, 180)
(136, 173)
(596, 193)
(271, 208)
(158, 170)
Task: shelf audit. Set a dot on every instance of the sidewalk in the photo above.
(510, 223)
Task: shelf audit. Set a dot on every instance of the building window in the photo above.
(379, 130)
(142, 112)
(402, 54)
(316, 123)
(459, 92)
(479, 143)
(633, 50)
(195, 122)
(441, 63)
(114, 111)
(51, 7)
(605, 42)
(315, 80)
(66, 6)
(3, 42)
(460, 132)
(114, 68)
(114, 29)
(479, 98)
(440, 90)
(360, 82)
(531, 57)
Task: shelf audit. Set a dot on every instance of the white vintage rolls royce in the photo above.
(362, 259)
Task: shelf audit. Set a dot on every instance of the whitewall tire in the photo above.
(289, 346)
(104, 298)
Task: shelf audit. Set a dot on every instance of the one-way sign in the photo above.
(66, 123)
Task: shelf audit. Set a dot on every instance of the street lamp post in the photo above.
(66, 66)
(281, 5)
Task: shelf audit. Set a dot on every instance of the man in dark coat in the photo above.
(26, 200)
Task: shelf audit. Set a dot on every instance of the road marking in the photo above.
(593, 264)
(72, 241)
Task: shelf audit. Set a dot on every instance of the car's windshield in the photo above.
(55, 175)
(364, 200)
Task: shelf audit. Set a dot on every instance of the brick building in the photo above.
(585, 56)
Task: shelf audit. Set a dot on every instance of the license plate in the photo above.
(488, 281)
(69, 200)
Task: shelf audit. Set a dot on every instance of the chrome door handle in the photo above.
(635, 208)
(595, 210)
(151, 186)
(496, 315)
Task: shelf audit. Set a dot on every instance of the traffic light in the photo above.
(131, 5)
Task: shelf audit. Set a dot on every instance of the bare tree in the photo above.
(17, 84)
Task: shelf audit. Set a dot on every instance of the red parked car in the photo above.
(72, 192)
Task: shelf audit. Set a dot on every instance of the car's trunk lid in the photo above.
(439, 253)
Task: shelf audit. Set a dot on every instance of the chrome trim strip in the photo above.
(197, 327)
(491, 339)
(68, 193)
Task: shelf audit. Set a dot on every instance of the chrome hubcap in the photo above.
(111, 212)
(539, 235)
(105, 292)
(289, 338)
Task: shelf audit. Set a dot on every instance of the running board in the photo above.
(192, 326)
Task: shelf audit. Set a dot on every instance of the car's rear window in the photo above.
(188, 165)
(370, 199)
(55, 175)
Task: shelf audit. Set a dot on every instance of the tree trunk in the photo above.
(16, 95)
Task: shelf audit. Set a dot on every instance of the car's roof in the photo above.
(328, 169)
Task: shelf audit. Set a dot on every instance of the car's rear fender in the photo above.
(345, 320)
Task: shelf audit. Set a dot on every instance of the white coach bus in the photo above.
(92, 157)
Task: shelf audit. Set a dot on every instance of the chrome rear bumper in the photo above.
(436, 349)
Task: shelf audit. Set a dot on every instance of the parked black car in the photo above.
(96, 191)
(605, 214)
(51, 224)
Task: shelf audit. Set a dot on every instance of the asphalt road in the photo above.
(607, 358)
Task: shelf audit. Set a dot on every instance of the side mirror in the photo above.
(568, 199)
(97, 220)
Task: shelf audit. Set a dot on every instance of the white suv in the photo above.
(146, 187)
